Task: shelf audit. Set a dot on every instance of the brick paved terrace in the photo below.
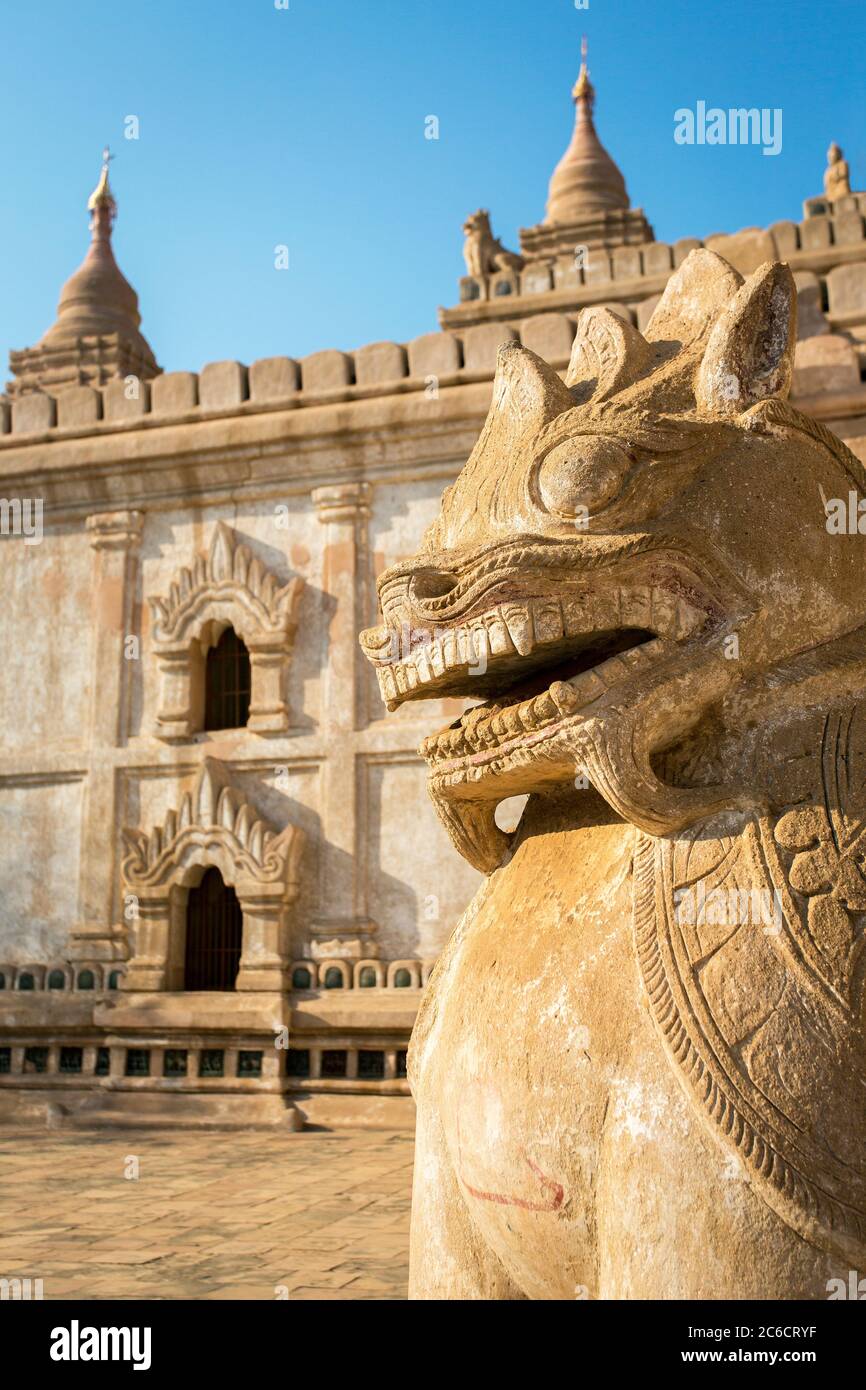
(211, 1215)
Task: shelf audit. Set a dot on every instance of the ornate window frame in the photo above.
(227, 587)
(215, 825)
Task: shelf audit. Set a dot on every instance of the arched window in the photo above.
(26, 981)
(114, 979)
(86, 979)
(333, 977)
(402, 979)
(214, 929)
(367, 978)
(2, 980)
(57, 980)
(301, 978)
(227, 683)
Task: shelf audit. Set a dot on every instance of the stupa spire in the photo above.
(585, 180)
(96, 335)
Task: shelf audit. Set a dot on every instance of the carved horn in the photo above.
(750, 352)
(608, 354)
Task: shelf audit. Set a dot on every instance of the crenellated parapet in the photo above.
(537, 306)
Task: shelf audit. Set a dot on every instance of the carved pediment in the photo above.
(214, 825)
(230, 585)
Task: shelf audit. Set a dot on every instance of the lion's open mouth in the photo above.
(542, 702)
(536, 659)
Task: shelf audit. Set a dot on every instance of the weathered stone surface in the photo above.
(744, 250)
(645, 310)
(657, 258)
(536, 280)
(33, 412)
(815, 233)
(550, 335)
(222, 385)
(481, 343)
(786, 238)
(847, 227)
(626, 262)
(174, 393)
(78, 405)
(846, 289)
(697, 788)
(811, 318)
(434, 354)
(597, 268)
(125, 400)
(273, 378)
(380, 362)
(682, 248)
(326, 371)
(827, 362)
(621, 310)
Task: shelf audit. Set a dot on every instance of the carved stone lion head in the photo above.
(632, 562)
(478, 223)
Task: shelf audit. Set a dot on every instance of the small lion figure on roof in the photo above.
(482, 252)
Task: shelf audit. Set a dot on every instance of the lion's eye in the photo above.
(582, 475)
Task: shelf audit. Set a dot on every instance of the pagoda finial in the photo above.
(583, 88)
(101, 204)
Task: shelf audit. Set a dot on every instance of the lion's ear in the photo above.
(608, 354)
(693, 298)
(750, 352)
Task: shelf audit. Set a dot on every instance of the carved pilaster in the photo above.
(114, 539)
(343, 509)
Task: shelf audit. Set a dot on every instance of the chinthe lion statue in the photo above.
(639, 1066)
(482, 252)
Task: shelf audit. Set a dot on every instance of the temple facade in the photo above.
(223, 884)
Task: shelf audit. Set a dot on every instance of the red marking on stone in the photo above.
(503, 1199)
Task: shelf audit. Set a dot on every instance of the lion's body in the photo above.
(640, 1064)
(559, 1156)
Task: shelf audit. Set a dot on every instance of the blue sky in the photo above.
(304, 126)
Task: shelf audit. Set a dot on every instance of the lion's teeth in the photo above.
(437, 658)
(519, 628)
(542, 709)
(664, 612)
(500, 642)
(564, 697)
(512, 721)
(449, 650)
(465, 650)
(525, 712)
(547, 621)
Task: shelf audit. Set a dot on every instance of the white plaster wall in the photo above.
(46, 642)
(39, 831)
(400, 515)
(417, 883)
